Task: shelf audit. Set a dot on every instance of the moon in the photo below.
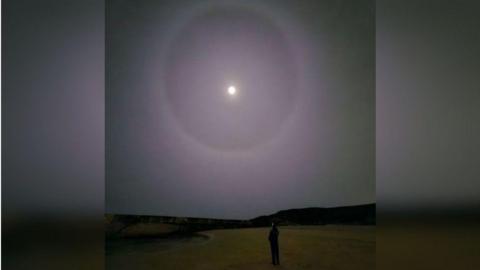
(232, 90)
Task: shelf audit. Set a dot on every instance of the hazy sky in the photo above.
(299, 132)
(52, 107)
(428, 104)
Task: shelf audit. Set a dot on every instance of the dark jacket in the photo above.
(273, 236)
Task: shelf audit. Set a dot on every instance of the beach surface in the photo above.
(301, 247)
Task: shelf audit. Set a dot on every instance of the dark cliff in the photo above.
(148, 226)
(352, 215)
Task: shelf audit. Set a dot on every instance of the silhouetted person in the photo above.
(273, 238)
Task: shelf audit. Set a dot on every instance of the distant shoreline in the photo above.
(137, 226)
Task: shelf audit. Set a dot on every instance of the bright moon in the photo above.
(232, 90)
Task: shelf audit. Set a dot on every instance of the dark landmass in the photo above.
(119, 226)
(351, 215)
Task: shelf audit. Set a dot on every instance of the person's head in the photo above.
(273, 224)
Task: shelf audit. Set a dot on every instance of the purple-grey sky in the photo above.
(298, 133)
(428, 101)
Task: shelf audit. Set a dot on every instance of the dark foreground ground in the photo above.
(301, 247)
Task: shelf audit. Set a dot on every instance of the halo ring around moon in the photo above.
(225, 46)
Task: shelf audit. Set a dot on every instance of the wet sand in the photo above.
(301, 247)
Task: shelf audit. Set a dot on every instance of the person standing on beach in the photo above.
(273, 238)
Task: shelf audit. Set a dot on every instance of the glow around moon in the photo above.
(203, 64)
(232, 91)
